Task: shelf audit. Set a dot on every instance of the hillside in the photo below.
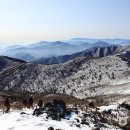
(81, 77)
(7, 62)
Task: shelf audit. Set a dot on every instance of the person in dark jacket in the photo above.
(30, 102)
(50, 128)
(40, 103)
(24, 102)
(6, 103)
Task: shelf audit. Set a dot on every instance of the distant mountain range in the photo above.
(46, 50)
(96, 52)
(116, 41)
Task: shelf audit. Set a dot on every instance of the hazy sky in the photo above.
(32, 20)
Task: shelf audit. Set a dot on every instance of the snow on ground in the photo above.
(112, 107)
(16, 121)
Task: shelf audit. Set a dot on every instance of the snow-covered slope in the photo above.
(82, 77)
(95, 76)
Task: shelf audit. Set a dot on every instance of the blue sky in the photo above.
(35, 20)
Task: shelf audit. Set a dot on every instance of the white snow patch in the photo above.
(16, 121)
(102, 108)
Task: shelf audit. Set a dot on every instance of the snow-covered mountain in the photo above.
(8, 62)
(81, 77)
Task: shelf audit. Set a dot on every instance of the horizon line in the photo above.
(47, 40)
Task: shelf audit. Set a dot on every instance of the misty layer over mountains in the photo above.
(96, 52)
(42, 50)
(92, 40)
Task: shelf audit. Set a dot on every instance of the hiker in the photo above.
(50, 128)
(25, 102)
(60, 104)
(59, 107)
(40, 110)
(6, 103)
(91, 105)
(40, 103)
(30, 102)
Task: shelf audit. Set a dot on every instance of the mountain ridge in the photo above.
(92, 52)
(48, 49)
